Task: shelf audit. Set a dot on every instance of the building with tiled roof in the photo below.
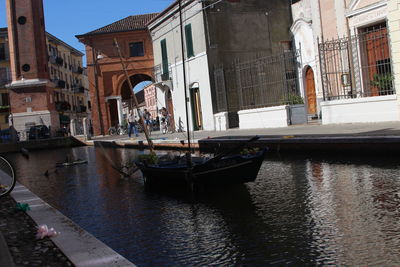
(110, 91)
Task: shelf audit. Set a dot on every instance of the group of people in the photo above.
(134, 123)
(164, 121)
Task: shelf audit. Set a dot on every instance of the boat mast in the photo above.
(149, 142)
(184, 74)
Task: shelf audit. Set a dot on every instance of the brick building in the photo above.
(71, 86)
(5, 78)
(66, 72)
(109, 89)
(31, 91)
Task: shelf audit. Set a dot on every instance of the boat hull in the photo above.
(234, 169)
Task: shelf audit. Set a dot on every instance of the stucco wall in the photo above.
(197, 72)
(272, 117)
(169, 29)
(368, 109)
(305, 33)
(196, 67)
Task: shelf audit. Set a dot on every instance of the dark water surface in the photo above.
(301, 211)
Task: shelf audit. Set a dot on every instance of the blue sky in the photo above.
(67, 18)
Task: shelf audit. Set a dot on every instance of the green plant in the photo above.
(148, 158)
(250, 150)
(293, 99)
(384, 82)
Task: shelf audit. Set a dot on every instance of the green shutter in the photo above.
(164, 56)
(189, 41)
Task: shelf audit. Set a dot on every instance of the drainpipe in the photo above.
(350, 54)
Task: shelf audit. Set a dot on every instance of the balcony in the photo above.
(80, 109)
(77, 69)
(79, 90)
(62, 106)
(52, 59)
(59, 61)
(5, 78)
(5, 109)
(59, 83)
(160, 73)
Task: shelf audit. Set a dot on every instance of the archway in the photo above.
(119, 106)
(126, 92)
(310, 91)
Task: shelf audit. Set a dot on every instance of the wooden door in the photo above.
(378, 56)
(196, 109)
(170, 108)
(310, 89)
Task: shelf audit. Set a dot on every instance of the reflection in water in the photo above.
(300, 211)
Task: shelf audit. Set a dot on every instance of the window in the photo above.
(4, 99)
(189, 41)
(136, 49)
(2, 51)
(164, 56)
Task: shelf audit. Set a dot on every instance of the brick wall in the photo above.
(110, 73)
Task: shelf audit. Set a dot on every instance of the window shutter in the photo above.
(164, 56)
(189, 41)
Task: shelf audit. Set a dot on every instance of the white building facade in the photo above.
(348, 65)
(165, 30)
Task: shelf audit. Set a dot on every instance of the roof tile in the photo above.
(131, 23)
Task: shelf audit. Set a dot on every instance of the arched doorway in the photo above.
(126, 92)
(310, 91)
(118, 106)
(195, 103)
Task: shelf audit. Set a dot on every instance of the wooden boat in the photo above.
(66, 164)
(223, 170)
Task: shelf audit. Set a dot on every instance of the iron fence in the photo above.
(357, 66)
(79, 128)
(261, 82)
(160, 73)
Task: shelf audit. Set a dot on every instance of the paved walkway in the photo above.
(72, 247)
(349, 129)
(368, 137)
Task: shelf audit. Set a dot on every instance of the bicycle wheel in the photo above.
(112, 131)
(7, 177)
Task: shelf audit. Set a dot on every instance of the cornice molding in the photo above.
(350, 12)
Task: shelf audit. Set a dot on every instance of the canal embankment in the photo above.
(51, 143)
(373, 138)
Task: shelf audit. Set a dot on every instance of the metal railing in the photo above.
(261, 82)
(357, 66)
(160, 75)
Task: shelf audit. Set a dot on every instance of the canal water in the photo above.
(301, 211)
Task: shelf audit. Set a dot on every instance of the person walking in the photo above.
(147, 120)
(132, 125)
(164, 120)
